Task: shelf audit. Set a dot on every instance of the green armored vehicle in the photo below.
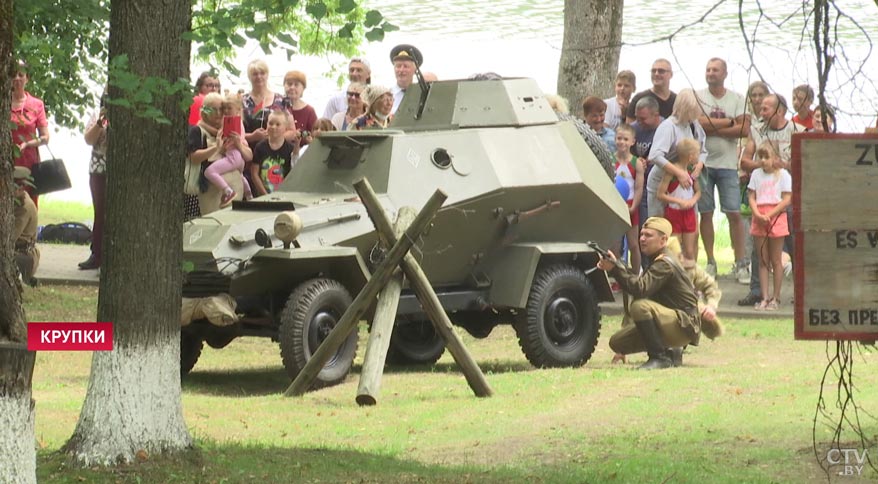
(525, 194)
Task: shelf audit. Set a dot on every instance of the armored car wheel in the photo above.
(312, 310)
(414, 342)
(562, 322)
(190, 351)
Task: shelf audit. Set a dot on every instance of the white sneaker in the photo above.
(742, 273)
(710, 268)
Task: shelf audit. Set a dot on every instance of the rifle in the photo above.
(604, 255)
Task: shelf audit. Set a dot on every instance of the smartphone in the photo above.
(231, 124)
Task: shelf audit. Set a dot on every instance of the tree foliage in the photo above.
(65, 46)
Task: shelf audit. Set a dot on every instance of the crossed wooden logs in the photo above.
(386, 278)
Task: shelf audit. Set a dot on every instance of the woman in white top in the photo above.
(683, 123)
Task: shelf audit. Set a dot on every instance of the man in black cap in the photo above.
(405, 59)
(664, 307)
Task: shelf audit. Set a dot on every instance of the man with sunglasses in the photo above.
(359, 70)
(661, 74)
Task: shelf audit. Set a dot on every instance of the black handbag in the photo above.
(50, 175)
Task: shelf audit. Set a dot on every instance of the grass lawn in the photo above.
(57, 211)
(740, 410)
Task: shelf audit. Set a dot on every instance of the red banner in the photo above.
(70, 336)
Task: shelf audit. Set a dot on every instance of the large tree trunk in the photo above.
(133, 399)
(590, 52)
(17, 444)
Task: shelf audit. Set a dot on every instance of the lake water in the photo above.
(523, 38)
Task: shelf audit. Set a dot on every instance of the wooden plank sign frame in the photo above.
(835, 226)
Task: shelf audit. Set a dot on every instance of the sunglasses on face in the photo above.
(207, 110)
(660, 71)
(354, 95)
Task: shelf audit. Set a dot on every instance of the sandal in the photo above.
(227, 198)
(772, 305)
(761, 305)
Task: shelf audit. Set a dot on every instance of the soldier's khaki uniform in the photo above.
(706, 289)
(27, 256)
(665, 294)
(705, 286)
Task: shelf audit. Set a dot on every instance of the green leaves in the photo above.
(141, 94)
(317, 10)
(347, 32)
(346, 6)
(375, 35)
(66, 49)
(373, 18)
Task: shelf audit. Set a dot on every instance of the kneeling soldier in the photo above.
(664, 307)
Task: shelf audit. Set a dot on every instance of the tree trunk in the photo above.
(133, 400)
(590, 52)
(17, 444)
(12, 327)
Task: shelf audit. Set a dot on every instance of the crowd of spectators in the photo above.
(734, 135)
(276, 128)
(252, 154)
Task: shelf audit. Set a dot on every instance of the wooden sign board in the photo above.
(835, 224)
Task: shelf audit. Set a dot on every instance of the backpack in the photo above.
(66, 232)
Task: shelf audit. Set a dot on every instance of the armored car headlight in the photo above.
(287, 227)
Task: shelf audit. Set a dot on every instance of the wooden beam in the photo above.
(382, 325)
(424, 291)
(364, 299)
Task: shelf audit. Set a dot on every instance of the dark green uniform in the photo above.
(664, 293)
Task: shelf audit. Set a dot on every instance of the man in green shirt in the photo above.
(664, 305)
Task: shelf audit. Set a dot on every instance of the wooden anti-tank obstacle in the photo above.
(397, 256)
(382, 323)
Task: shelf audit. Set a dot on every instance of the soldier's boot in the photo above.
(676, 356)
(655, 349)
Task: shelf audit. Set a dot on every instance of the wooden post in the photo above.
(382, 325)
(364, 299)
(427, 297)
